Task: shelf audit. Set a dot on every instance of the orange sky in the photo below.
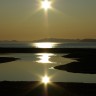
(70, 19)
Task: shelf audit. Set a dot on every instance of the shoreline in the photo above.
(49, 50)
(86, 62)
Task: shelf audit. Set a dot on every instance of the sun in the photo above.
(46, 4)
(45, 80)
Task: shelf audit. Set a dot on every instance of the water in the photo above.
(48, 45)
(33, 66)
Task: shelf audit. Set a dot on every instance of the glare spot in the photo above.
(46, 4)
(44, 58)
(45, 80)
(44, 45)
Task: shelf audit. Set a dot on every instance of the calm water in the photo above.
(32, 66)
(48, 45)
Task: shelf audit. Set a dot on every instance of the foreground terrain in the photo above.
(54, 89)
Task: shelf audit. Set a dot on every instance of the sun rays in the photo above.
(45, 79)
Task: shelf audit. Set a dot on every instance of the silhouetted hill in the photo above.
(64, 40)
(88, 40)
(56, 40)
(51, 40)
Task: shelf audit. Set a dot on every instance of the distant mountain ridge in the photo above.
(64, 40)
(88, 40)
(50, 40)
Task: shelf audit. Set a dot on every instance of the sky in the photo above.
(69, 19)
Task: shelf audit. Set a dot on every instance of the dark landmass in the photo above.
(86, 62)
(50, 50)
(88, 40)
(55, 89)
(7, 59)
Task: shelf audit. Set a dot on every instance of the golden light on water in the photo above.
(46, 4)
(44, 58)
(44, 45)
(45, 79)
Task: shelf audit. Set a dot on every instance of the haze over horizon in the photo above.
(69, 19)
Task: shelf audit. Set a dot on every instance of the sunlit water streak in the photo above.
(44, 57)
(45, 45)
(65, 45)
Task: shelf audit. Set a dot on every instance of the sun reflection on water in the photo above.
(44, 57)
(44, 45)
(45, 79)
